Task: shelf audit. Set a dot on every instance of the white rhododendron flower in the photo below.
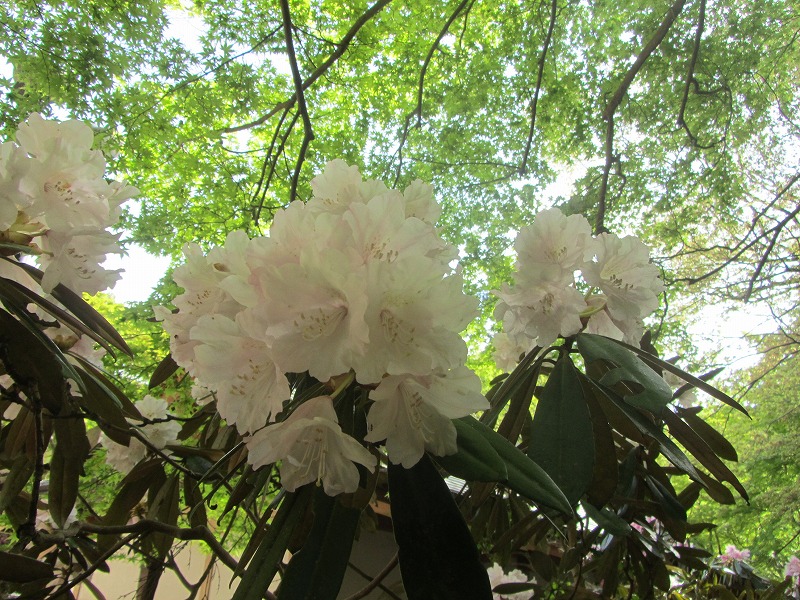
(311, 447)
(414, 413)
(355, 285)
(161, 432)
(552, 248)
(498, 577)
(624, 273)
(54, 197)
(542, 312)
(545, 301)
(250, 388)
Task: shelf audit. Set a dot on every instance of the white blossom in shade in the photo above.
(498, 577)
(159, 430)
(624, 273)
(414, 316)
(74, 260)
(541, 312)
(163, 431)
(419, 202)
(688, 398)
(315, 310)
(509, 349)
(339, 186)
(311, 447)
(123, 458)
(249, 387)
(11, 199)
(414, 413)
(552, 248)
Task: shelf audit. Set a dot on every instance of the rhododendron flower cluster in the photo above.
(732, 553)
(356, 282)
(54, 198)
(793, 568)
(498, 577)
(567, 280)
(157, 428)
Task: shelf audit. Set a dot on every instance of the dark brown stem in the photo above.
(523, 169)
(341, 48)
(376, 581)
(651, 45)
(308, 132)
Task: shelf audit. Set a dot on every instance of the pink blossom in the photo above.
(793, 567)
(732, 553)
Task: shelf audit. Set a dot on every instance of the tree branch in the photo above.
(701, 21)
(429, 57)
(341, 47)
(376, 581)
(308, 132)
(145, 526)
(649, 48)
(523, 169)
(599, 226)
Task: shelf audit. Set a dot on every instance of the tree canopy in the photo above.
(678, 123)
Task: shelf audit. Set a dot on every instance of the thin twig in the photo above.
(341, 48)
(698, 36)
(376, 581)
(523, 169)
(423, 71)
(201, 533)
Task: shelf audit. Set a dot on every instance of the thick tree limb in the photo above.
(523, 168)
(701, 21)
(341, 48)
(649, 48)
(616, 99)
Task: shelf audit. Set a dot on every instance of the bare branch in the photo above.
(423, 71)
(341, 47)
(649, 48)
(523, 168)
(376, 581)
(308, 132)
(599, 226)
(145, 526)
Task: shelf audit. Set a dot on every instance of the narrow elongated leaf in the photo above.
(165, 369)
(670, 450)
(698, 448)
(476, 459)
(31, 357)
(131, 490)
(24, 296)
(715, 440)
(562, 439)
(687, 377)
(164, 507)
(653, 392)
(524, 476)
(98, 400)
(317, 570)
(438, 557)
(605, 475)
(607, 519)
(78, 307)
(17, 568)
(66, 466)
(15, 480)
(262, 568)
